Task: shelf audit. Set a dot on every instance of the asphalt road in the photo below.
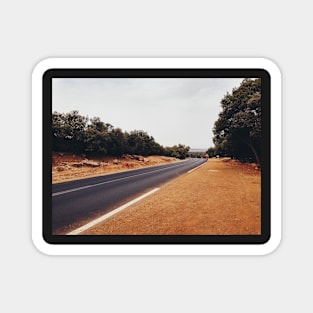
(78, 202)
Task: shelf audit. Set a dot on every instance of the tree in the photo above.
(97, 137)
(211, 152)
(139, 142)
(68, 131)
(74, 133)
(117, 144)
(237, 132)
(180, 151)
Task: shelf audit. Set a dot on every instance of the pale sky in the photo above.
(172, 110)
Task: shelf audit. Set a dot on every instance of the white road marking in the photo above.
(107, 215)
(195, 168)
(71, 190)
(107, 182)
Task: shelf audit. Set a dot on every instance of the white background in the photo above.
(34, 30)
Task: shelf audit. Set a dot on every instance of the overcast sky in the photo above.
(172, 110)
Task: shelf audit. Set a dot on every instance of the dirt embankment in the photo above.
(222, 197)
(67, 167)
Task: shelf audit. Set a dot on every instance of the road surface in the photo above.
(77, 202)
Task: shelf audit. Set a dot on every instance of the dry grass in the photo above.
(67, 167)
(223, 197)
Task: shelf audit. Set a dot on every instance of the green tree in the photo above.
(237, 132)
(211, 152)
(97, 138)
(74, 133)
(139, 142)
(68, 131)
(118, 144)
(179, 152)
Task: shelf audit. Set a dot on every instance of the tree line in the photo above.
(74, 133)
(237, 131)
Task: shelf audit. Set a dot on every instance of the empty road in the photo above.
(77, 202)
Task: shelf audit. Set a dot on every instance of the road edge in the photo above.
(102, 218)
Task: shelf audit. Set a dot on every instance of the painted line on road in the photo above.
(107, 215)
(110, 181)
(196, 168)
(71, 190)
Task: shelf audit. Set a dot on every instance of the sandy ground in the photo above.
(222, 197)
(67, 167)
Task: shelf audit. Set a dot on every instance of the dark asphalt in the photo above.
(78, 202)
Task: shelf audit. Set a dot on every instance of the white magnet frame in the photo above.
(156, 249)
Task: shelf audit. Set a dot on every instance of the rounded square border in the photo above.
(154, 63)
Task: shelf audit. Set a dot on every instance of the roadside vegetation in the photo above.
(78, 134)
(237, 132)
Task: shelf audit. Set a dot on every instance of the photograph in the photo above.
(161, 156)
